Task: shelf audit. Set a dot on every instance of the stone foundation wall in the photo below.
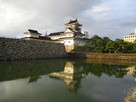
(16, 49)
(69, 48)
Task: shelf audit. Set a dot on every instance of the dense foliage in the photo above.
(97, 44)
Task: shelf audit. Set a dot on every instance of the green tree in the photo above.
(99, 46)
(120, 45)
(106, 40)
(110, 47)
(96, 44)
(134, 48)
(129, 47)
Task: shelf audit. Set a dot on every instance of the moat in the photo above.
(66, 80)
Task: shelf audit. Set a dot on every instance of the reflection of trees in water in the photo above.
(99, 69)
(22, 69)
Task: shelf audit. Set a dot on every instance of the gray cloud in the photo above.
(128, 23)
(46, 14)
(102, 17)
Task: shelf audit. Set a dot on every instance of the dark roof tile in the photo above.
(56, 33)
(74, 21)
(44, 38)
(33, 31)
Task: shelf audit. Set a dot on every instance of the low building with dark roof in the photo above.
(35, 35)
(32, 33)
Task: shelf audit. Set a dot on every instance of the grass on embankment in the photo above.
(109, 56)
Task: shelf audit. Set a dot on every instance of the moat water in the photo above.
(66, 80)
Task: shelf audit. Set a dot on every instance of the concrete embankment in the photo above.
(106, 56)
(16, 49)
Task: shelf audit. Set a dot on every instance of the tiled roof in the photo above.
(78, 33)
(74, 21)
(56, 33)
(85, 39)
(44, 38)
(40, 38)
(33, 31)
(70, 29)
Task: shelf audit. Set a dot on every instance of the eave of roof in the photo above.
(40, 38)
(131, 34)
(34, 31)
(73, 22)
(55, 33)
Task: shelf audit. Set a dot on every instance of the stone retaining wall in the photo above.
(16, 49)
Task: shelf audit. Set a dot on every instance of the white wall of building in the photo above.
(130, 38)
(68, 30)
(68, 42)
(64, 36)
(31, 36)
(74, 42)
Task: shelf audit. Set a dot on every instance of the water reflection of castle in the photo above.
(71, 75)
(132, 71)
(73, 72)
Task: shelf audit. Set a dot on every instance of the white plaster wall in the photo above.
(55, 38)
(64, 36)
(69, 35)
(68, 30)
(31, 36)
(68, 42)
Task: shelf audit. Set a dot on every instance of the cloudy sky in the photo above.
(111, 18)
